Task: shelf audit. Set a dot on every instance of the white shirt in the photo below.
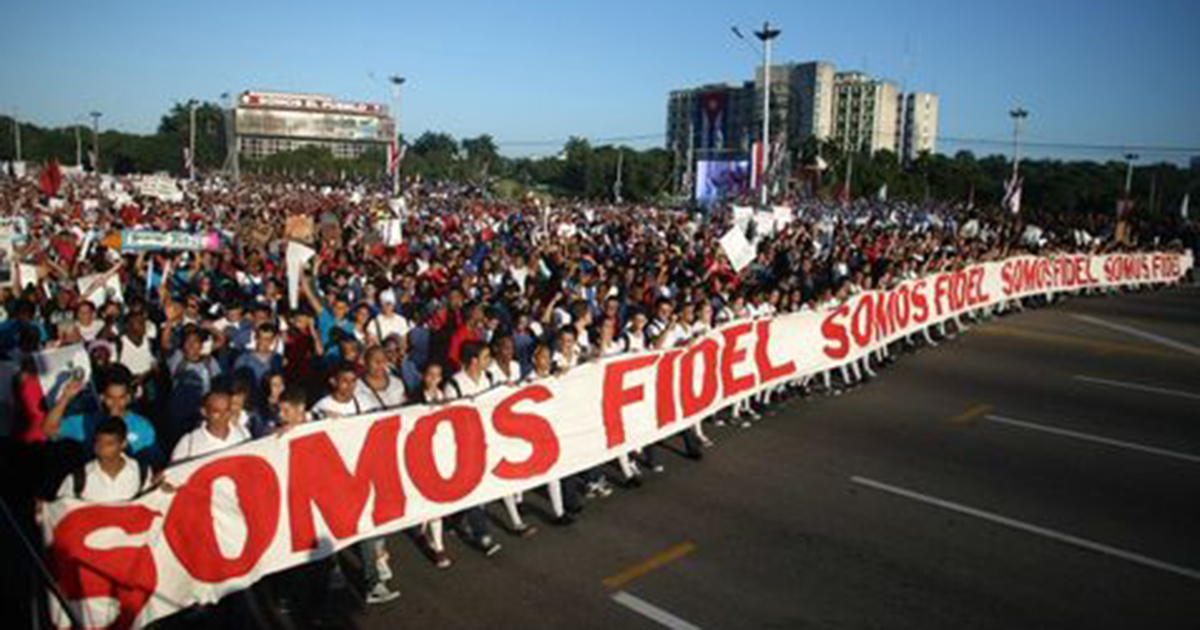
(330, 407)
(385, 326)
(90, 331)
(200, 442)
(98, 487)
(371, 399)
(138, 358)
(467, 386)
(498, 376)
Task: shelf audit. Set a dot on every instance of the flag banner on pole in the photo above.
(187, 159)
(267, 505)
(1012, 195)
(393, 157)
(1183, 206)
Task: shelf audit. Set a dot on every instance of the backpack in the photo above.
(79, 478)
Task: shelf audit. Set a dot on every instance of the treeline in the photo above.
(585, 171)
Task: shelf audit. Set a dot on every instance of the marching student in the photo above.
(218, 430)
(470, 381)
(112, 475)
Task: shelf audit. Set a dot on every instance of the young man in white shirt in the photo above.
(471, 381)
(388, 322)
(112, 476)
(217, 432)
(342, 402)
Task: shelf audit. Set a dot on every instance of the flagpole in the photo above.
(397, 81)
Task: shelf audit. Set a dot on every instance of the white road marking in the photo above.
(1030, 528)
(1143, 334)
(1143, 388)
(1098, 439)
(646, 609)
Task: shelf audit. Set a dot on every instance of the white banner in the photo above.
(275, 503)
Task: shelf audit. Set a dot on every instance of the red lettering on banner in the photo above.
(1087, 270)
(859, 329)
(529, 427)
(900, 306)
(920, 304)
(762, 356)
(1006, 278)
(882, 317)
(975, 294)
(190, 529)
(731, 357)
(126, 574)
(691, 401)
(317, 477)
(617, 396)
(664, 389)
(940, 291)
(470, 454)
(834, 331)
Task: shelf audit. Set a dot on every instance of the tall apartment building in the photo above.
(917, 133)
(865, 112)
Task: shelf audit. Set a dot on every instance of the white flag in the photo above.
(297, 256)
(1012, 195)
(739, 251)
(1183, 206)
(882, 196)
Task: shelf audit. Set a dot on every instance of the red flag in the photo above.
(51, 179)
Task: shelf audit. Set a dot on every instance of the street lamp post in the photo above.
(78, 146)
(192, 140)
(95, 141)
(17, 133)
(1019, 114)
(766, 35)
(1129, 159)
(397, 82)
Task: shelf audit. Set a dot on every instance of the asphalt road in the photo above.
(1040, 471)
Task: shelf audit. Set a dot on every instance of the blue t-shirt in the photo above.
(327, 321)
(82, 428)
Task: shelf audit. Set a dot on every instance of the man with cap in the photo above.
(388, 322)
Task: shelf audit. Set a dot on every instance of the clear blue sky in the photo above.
(1101, 71)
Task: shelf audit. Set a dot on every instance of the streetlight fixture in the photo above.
(397, 82)
(1018, 115)
(96, 141)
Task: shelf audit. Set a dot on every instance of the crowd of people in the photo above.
(203, 349)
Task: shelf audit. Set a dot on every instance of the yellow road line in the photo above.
(1101, 347)
(971, 413)
(653, 562)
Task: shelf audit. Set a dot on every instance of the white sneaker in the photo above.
(381, 594)
(384, 568)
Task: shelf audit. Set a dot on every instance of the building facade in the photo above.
(865, 112)
(267, 123)
(918, 129)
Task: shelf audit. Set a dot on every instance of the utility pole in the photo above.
(617, 183)
(1129, 159)
(397, 82)
(17, 132)
(192, 140)
(766, 35)
(1019, 114)
(78, 146)
(95, 141)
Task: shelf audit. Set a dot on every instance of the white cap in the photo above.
(387, 296)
